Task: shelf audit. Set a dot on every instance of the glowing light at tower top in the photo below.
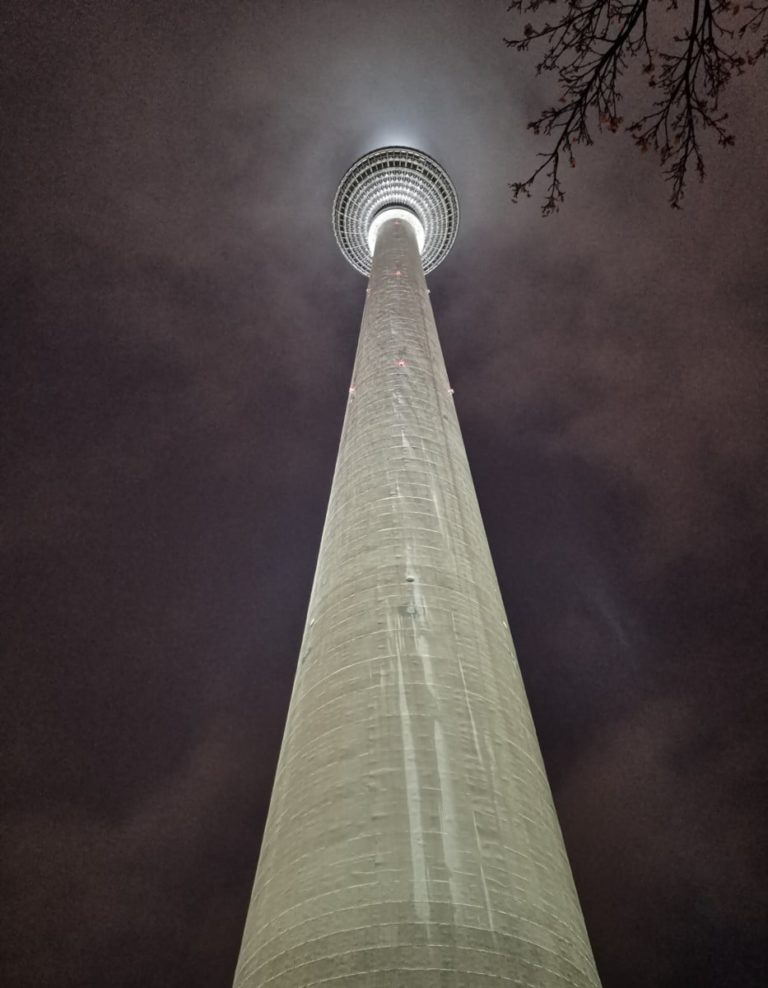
(395, 182)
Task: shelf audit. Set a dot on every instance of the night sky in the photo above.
(178, 330)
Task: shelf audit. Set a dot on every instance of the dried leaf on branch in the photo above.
(590, 44)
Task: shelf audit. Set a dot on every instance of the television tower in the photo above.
(411, 841)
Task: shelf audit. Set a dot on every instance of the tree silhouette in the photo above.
(689, 57)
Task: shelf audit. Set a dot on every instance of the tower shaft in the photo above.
(411, 839)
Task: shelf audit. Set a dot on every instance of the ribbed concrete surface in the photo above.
(411, 838)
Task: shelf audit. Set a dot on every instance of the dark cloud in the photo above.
(668, 851)
(178, 334)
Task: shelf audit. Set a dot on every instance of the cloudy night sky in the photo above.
(178, 330)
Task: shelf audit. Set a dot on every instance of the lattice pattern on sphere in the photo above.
(395, 176)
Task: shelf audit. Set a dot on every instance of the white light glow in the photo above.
(393, 136)
(395, 213)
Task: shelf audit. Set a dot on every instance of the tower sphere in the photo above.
(401, 179)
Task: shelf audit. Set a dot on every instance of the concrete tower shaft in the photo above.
(411, 840)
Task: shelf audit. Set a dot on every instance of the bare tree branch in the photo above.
(589, 46)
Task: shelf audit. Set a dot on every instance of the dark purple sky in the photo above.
(177, 340)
